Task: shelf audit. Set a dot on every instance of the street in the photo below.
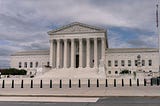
(106, 101)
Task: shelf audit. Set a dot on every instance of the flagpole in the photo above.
(157, 25)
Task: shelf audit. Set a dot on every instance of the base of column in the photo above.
(71, 67)
(58, 68)
(80, 67)
(87, 67)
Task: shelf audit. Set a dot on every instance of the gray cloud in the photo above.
(115, 41)
(5, 52)
(138, 42)
(4, 61)
(144, 41)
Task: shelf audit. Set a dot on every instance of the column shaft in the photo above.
(103, 48)
(58, 53)
(80, 53)
(88, 52)
(95, 52)
(72, 53)
(51, 53)
(65, 53)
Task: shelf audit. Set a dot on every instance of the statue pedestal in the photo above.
(101, 69)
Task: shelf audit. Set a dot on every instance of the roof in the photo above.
(76, 27)
(131, 50)
(34, 52)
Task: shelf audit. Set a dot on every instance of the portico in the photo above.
(77, 46)
(76, 53)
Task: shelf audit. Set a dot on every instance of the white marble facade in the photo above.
(70, 47)
(80, 50)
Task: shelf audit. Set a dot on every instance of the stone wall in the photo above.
(41, 59)
(131, 56)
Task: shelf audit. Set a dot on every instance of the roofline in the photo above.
(131, 50)
(75, 23)
(33, 52)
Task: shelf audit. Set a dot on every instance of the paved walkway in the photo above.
(107, 101)
(84, 91)
(49, 99)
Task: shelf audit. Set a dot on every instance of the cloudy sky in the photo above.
(24, 23)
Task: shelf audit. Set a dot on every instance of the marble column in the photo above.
(72, 53)
(88, 53)
(65, 54)
(103, 48)
(58, 53)
(54, 54)
(95, 52)
(80, 52)
(51, 53)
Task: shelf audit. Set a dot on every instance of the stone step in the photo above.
(72, 73)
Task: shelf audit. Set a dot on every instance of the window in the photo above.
(31, 64)
(116, 63)
(109, 72)
(139, 62)
(36, 64)
(20, 65)
(109, 63)
(25, 64)
(122, 63)
(150, 62)
(143, 62)
(116, 72)
(136, 62)
(150, 71)
(129, 62)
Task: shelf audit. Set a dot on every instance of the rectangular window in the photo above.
(109, 63)
(31, 64)
(122, 62)
(136, 62)
(20, 65)
(25, 64)
(143, 62)
(150, 62)
(36, 64)
(129, 62)
(116, 63)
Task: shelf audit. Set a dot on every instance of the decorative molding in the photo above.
(77, 36)
(35, 52)
(131, 50)
(76, 28)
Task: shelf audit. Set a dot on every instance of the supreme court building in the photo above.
(78, 50)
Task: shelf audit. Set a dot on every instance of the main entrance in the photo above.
(77, 60)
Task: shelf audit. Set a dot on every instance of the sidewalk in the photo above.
(84, 91)
(48, 99)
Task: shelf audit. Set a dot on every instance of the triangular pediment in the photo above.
(76, 27)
